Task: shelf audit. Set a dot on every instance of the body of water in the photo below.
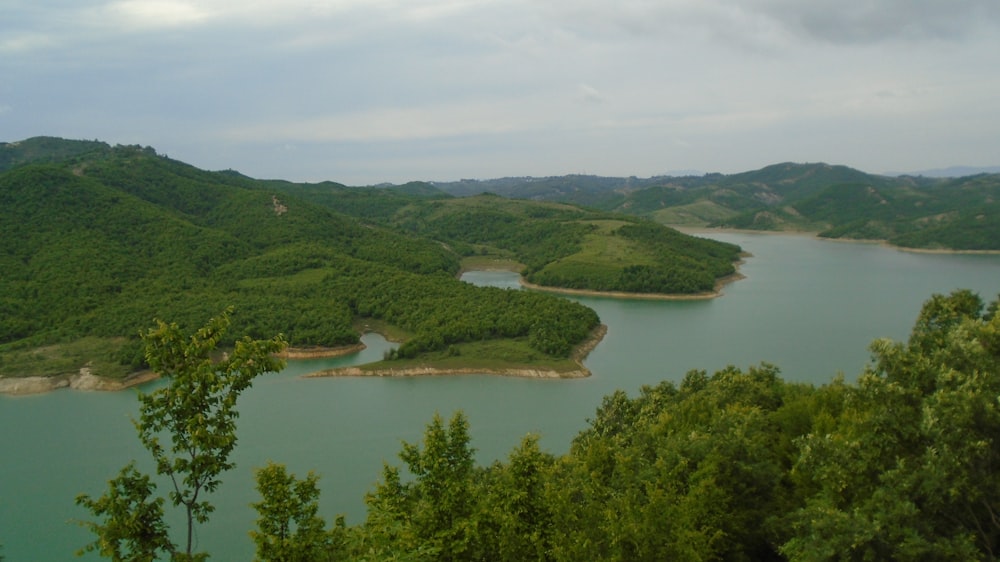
(809, 306)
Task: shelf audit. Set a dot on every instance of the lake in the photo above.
(809, 306)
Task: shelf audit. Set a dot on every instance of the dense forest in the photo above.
(96, 241)
(734, 465)
(834, 201)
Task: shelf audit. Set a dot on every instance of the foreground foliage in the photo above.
(736, 465)
(196, 413)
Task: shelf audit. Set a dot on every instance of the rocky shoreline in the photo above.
(436, 371)
(579, 354)
(320, 352)
(84, 380)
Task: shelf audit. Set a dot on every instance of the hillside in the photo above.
(93, 249)
(97, 241)
(834, 201)
(568, 247)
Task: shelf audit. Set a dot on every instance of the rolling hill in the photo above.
(833, 201)
(97, 241)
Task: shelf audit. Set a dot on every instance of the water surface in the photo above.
(809, 306)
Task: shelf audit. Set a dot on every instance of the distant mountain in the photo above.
(950, 172)
(47, 149)
(835, 201)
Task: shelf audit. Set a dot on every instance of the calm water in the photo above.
(811, 307)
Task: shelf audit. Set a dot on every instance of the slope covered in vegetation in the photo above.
(834, 201)
(96, 246)
(569, 247)
(95, 241)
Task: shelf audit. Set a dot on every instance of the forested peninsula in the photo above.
(99, 240)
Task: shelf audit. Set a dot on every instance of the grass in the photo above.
(490, 261)
(602, 254)
(489, 355)
(699, 213)
(65, 359)
(388, 331)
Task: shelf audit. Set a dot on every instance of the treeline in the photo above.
(737, 465)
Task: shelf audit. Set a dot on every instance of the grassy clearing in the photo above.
(388, 331)
(97, 354)
(699, 213)
(490, 355)
(492, 261)
(602, 255)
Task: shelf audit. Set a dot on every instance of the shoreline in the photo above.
(578, 355)
(715, 293)
(694, 230)
(84, 380)
(320, 352)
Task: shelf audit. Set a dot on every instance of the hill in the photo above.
(834, 201)
(568, 247)
(93, 249)
(97, 241)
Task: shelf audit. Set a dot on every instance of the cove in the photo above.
(809, 306)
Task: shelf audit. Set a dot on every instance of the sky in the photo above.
(369, 91)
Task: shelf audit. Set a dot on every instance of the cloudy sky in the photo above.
(366, 91)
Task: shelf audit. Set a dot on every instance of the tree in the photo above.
(432, 517)
(909, 472)
(517, 504)
(133, 527)
(289, 529)
(196, 412)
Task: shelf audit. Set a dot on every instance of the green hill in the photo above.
(835, 201)
(97, 241)
(569, 247)
(47, 149)
(93, 249)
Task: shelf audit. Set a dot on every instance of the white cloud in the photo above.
(559, 83)
(24, 42)
(135, 15)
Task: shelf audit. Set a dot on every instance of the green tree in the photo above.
(909, 471)
(288, 529)
(431, 517)
(517, 504)
(196, 414)
(133, 527)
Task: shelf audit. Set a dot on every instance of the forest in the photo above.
(733, 465)
(96, 241)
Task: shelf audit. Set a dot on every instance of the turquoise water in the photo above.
(809, 306)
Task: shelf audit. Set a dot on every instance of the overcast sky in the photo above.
(366, 91)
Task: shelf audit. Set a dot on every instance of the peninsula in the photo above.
(98, 241)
